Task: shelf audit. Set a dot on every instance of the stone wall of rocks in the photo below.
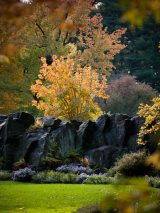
(102, 141)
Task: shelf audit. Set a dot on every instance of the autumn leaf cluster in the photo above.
(151, 115)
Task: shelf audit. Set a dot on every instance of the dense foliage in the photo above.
(134, 165)
(66, 90)
(54, 177)
(126, 94)
(151, 114)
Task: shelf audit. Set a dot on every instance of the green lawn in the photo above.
(48, 198)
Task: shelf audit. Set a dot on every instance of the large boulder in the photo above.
(86, 134)
(66, 138)
(35, 145)
(13, 126)
(116, 132)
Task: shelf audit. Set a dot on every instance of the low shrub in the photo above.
(134, 164)
(84, 161)
(73, 156)
(21, 164)
(5, 175)
(153, 181)
(111, 172)
(23, 175)
(99, 180)
(82, 177)
(54, 177)
(74, 168)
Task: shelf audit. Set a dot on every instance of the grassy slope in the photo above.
(45, 198)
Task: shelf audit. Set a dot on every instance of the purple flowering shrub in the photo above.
(74, 168)
(23, 174)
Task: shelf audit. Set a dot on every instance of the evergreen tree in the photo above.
(141, 56)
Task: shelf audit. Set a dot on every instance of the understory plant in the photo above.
(5, 175)
(134, 164)
(153, 181)
(23, 175)
(52, 159)
(99, 179)
(74, 168)
(54, 177)
(21, 164)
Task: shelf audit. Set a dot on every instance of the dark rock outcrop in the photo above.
(11, 129)
(102, 141)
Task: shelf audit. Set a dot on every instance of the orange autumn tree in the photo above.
(151, 114)
(67, 91)
(97, 47)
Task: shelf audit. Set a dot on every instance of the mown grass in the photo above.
(51, 198)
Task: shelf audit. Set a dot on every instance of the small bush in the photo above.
(82, 177)
(111, 172)
(154, 181)
(134, 164)
(84, 161)
(99, 180)
(73, 156)
(21, 164)
(74, 168)
(53, 159)
(23, 175)
(5, 175)
(54, 177)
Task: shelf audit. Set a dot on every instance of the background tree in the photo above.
(141, 56)
(126, 94)
(65, 90)
(137, 12)
(97, 47)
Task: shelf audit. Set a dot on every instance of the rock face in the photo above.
(11, 129)
(101, 141)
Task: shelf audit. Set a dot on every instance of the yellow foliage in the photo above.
(137, 12)
(4, 59)
(151, 114)
(154, 159)
(67, 91)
